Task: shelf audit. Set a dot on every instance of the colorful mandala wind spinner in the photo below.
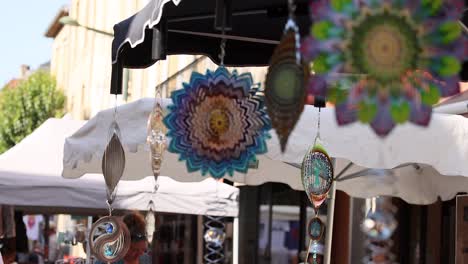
(217, 123)
(384, 62)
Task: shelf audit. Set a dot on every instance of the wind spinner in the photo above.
(217, 122)
(109, 237)
(317, 177)
(385, 62)
(285, 92)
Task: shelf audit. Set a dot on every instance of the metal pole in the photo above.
(88, 247)
(235, 241)
(330, 214)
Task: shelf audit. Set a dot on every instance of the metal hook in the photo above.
(222, 48)
(291, 8)
(109, 207)
(318, 127)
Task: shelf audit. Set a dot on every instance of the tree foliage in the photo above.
(27, 106)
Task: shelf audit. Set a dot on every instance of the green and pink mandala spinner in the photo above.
(384, 62)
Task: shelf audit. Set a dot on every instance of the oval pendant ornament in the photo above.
(317, 175)
(315, 229)
(113, 161)
(285, 92)
(109, 239)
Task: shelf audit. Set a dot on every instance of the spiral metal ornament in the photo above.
(215, 231)
(379, 226)
(214, 239)
(109, 239)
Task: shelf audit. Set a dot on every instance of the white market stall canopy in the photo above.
(30, 176)
(412, 161)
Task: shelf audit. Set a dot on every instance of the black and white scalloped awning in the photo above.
(167, 27)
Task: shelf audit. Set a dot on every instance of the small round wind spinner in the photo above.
(109, 239)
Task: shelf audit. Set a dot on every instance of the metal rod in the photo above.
(308, 252)
(368, 172)
(231, 37)
(329, 230)
(345, 169)
(358, 174)
(295, 165)
(88, 247)
(201, 17)
(235, 241)
(463, 26)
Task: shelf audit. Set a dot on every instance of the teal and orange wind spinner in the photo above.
(217, 123)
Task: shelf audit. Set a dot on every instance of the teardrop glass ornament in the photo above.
(113, 161)
(156, 138)
(150, 224)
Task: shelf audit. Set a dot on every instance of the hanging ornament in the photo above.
(317, 171)
(150, 220)
(285, 93)
(379, 225)
(156, 135)
(113, 161)
(217, 123)
(317, 177)
(214, 237)
(316, 229)
(385, 62)
(109, 239)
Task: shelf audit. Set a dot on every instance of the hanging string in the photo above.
(115, 108)
(109, 207)
(292, 25)
(317, 137)
(222, 52)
